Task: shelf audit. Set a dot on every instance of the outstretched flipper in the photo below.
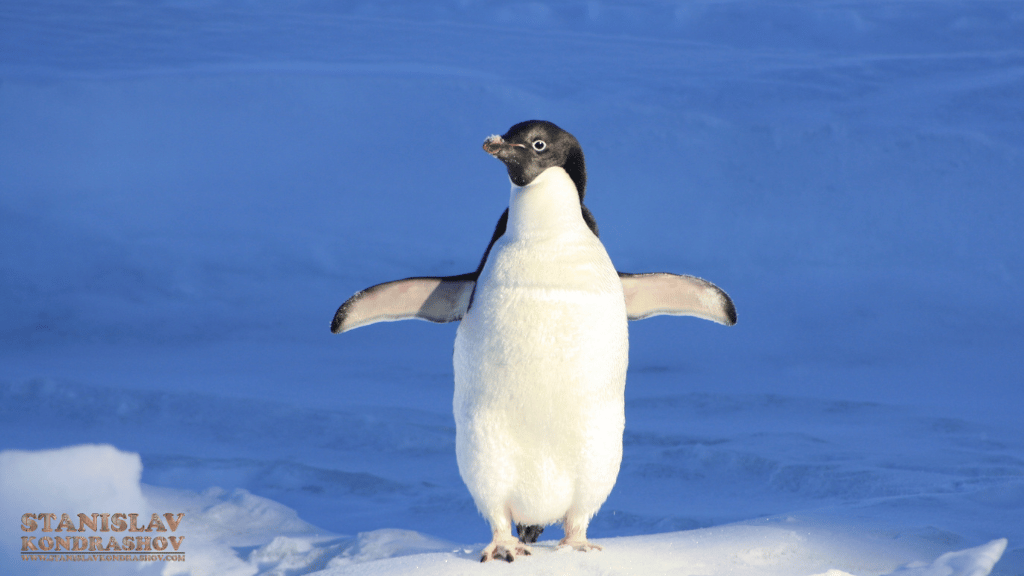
(437, 299)
(661, 293)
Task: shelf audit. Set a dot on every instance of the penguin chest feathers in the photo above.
(540, 363)
(548, 296)
(549, 277)
(547, 244)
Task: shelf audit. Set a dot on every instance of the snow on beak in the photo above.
(494, 144)
(497, 146)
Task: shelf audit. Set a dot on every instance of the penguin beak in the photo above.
(497, 147)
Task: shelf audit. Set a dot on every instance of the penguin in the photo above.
(542, 347)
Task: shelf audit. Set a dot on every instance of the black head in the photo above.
(531, 147)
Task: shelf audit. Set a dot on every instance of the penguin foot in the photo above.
(506, 551)
(578, 545)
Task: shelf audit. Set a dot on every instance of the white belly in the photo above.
(540, 368)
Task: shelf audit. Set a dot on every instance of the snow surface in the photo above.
(189, 189)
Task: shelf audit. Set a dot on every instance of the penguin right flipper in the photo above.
(436, 299)
(662, 293)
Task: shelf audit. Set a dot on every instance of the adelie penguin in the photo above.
(541, 352)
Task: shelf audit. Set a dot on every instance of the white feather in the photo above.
(540, 366)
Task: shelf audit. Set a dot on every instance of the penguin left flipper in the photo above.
(436, 299)
(653, 294)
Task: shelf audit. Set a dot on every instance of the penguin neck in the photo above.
(547, 206)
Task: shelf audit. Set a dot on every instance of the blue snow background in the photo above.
(189, 189)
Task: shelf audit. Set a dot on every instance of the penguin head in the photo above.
(531, 147)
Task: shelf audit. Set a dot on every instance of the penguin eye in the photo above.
(539, 145)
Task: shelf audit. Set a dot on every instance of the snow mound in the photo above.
(78, 479)
(977, 561)
(87, 477)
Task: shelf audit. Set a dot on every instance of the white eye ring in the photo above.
(539, 145)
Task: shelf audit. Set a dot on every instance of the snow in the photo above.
(189, 189)
(238, 533)
(83, 477)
